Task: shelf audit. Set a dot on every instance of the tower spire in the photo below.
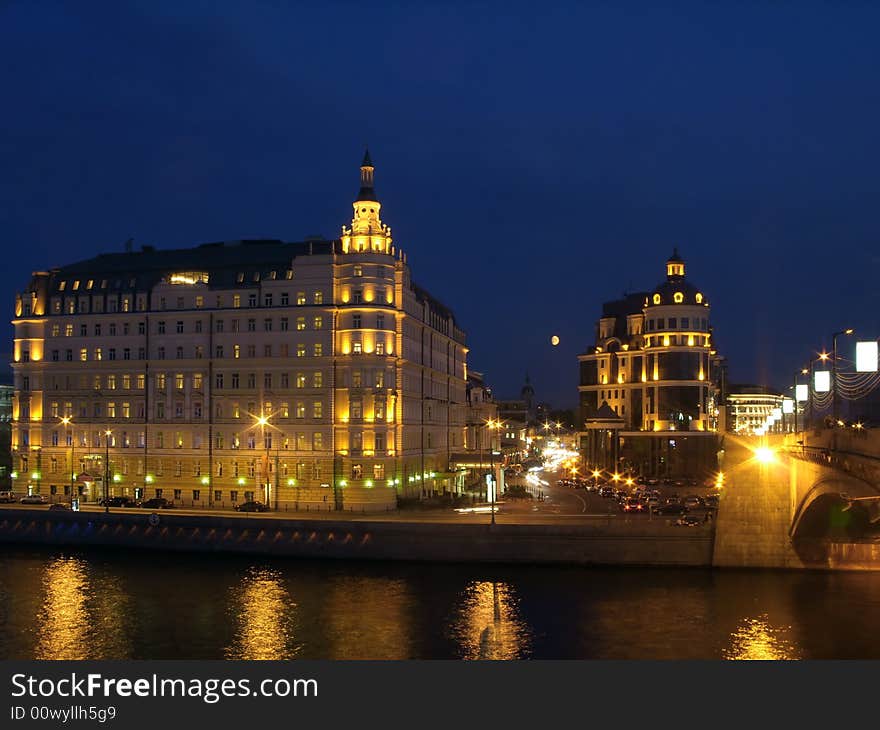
(366, 191)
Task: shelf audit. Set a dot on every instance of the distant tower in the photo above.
(367, 232)
(527, 395)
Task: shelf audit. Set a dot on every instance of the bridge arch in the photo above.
(828, 510)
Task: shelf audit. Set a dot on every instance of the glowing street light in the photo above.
(493, 425)
(834, 337)
(262, 422)
(67, 421)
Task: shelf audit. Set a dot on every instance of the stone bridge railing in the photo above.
(851, 451)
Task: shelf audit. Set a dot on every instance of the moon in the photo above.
(554, 340)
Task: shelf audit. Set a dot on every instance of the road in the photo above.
(559, 505)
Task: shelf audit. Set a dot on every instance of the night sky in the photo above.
(533, 161)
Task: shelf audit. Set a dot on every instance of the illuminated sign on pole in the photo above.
(800, 393)
(787, 405)
(822, 381)
(866, 357)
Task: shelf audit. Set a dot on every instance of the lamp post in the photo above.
(107, 434)
(66, 420)
(493, 426)
(834, 337)
(264, 421)
(37, 474)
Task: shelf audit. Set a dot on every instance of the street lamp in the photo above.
(107, 434)
(834, 337)
(67, 421)
(263, 421)
(493, 426)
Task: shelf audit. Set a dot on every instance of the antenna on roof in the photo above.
(128, 245)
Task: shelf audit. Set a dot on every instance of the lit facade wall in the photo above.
(358, 373)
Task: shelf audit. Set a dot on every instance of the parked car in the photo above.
(711, 500)
(156, 503)
(673, 508)
(692, 501)
(59, 507)
(6, 497)
(633, 504)
(606, 491)
(117, 502)
(251, 506)
(687, 521)
(34, 499)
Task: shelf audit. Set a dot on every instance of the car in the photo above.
(606, 491)
(692, 501)
(633, 504)
(117, 502)
(156, 503)
(251, 506)
(711, 500)
(6, 497)
(673, 508)
(33, 499)
(652, 501)
(59, 507)
(687, 521)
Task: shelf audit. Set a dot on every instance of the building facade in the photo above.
(754, 410)
(650, 371)
(300, 374)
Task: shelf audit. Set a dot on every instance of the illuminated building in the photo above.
(751, 410)
(650, 373)
(302, 374)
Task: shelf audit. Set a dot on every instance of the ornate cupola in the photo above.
(675, 267)
(367, 232)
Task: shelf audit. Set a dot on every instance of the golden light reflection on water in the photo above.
(63, 621)
(488, 624)
(757, 638)
(264, 614)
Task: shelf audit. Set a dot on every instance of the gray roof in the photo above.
(140, 270)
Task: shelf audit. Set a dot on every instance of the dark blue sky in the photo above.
(533, 160)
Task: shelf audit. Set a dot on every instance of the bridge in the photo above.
(805, 500)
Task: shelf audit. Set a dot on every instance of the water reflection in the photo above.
(757, 638)
(368, 617)
(63, 619)
(488, 624)
(264, 615)
(83, 613)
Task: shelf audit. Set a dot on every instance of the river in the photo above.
(92, 604)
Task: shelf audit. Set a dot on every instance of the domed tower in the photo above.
(367, 232)
(677, 354)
